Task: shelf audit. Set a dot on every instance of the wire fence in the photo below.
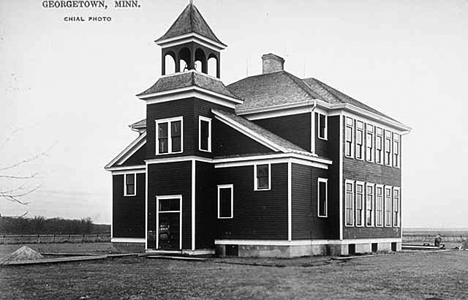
(54, 238)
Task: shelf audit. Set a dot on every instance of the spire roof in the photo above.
(190, 21)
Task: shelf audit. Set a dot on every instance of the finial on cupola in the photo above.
(191, 2)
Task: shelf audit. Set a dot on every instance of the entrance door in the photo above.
(169, 222)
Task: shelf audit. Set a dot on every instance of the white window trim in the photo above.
(383, 204)
(325, 180)
(372, 216)
(363, 204)
(347, 181)
(390, 159)
(382, 150)
(387, 187)
(399, 207)
(325, 137)
(256, 181)
(396, 163)
(165, 197)
(224, 186)
(352, 137)
(169, 137)
(200, 119)
(372, 149)
(363, 137)
(125, 184)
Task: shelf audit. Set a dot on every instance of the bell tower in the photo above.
(191, 44)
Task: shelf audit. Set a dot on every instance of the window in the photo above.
(359, 204)
(130, 184)
(396, 150)
(388, 206)
(369, 142)
(359, 140)
(262, 177)
(225, 201)
(349, 137)
(322, 197)
(322, 134)
(396, 207)
(369, 204)
(204, 134)
(388, 147)
(379, 206)
(378, 145)
(349, 204)
(169, 136)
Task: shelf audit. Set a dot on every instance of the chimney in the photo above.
(272, 63)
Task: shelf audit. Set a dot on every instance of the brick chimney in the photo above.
(272, 63)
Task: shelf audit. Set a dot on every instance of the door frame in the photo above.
(165, 197)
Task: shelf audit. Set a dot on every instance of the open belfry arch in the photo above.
(270, 165)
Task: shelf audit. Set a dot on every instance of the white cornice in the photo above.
(191, 37)
(128, 151)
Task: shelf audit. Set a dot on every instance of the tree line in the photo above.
(41, 225)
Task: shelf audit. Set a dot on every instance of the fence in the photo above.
(54, 238)
(429, 238)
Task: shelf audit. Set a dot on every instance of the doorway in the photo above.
(169, 222)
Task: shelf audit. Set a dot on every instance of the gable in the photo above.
(132, 155)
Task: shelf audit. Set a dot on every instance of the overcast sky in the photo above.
(68, 88)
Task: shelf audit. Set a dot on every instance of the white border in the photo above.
(190, 37)
(341, 183)
(180, 216)
(363, 204)
(325, 180)
(169, 136)
(305, 242)
(226, 186)
(289, 200)
(128, 240)
(193, 202)
(205, 119)
(125, 184)
(255, 177)
(347, 181)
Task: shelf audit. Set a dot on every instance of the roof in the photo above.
(138, 126)
(281, 88)
(188, 79)
(190, 21)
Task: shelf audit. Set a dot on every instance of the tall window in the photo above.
(130, 184)
(396, 207)
(379, 206)
(388, 206)
(204, 138)
(369, 204)
(359, 204)
(359, 140)
(225, 201)
(262, 177)
(349, 204)
(369, 142)
(322, 197)
(378, 145)
(169, 136)
(349, 137)
(396, 150)
(322, 126)
(388, 147)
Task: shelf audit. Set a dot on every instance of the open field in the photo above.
(406, 275)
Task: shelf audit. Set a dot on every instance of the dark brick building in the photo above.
(270, 165)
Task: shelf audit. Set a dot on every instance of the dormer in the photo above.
(190, 44)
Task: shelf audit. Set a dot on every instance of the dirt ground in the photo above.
(405, 275)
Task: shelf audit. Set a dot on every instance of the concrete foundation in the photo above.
(129, 247)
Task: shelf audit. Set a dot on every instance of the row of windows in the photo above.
(372, 143)
(369, 204)
(170, 135)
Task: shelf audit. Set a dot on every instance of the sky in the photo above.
(67, 89)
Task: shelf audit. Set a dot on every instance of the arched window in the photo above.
(184, 60)
(169, 63)
(200, 61)
(213, 66)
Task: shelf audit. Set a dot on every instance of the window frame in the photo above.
(349, 209)
(225, 186)
(351, 127)
(362, 213)
(322, 180)
(370, 150)
(169, 135)
(388, 221)
(379, 152)
(396, 213)
(370, 213)
(382, 209)
(126, 194)
(325, 126)
(388, 152)
(359, 146)
(256, 188)
(200, 120)
(396, 150)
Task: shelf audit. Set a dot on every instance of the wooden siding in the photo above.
(334, 177)
(137, 159)
(259, 215)
(305, 221)
(294, 128)
(170, 179)
(205, 206)
(321, 146)
(228, 141)
(128, 212)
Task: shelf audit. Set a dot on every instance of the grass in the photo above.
(410, 275)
